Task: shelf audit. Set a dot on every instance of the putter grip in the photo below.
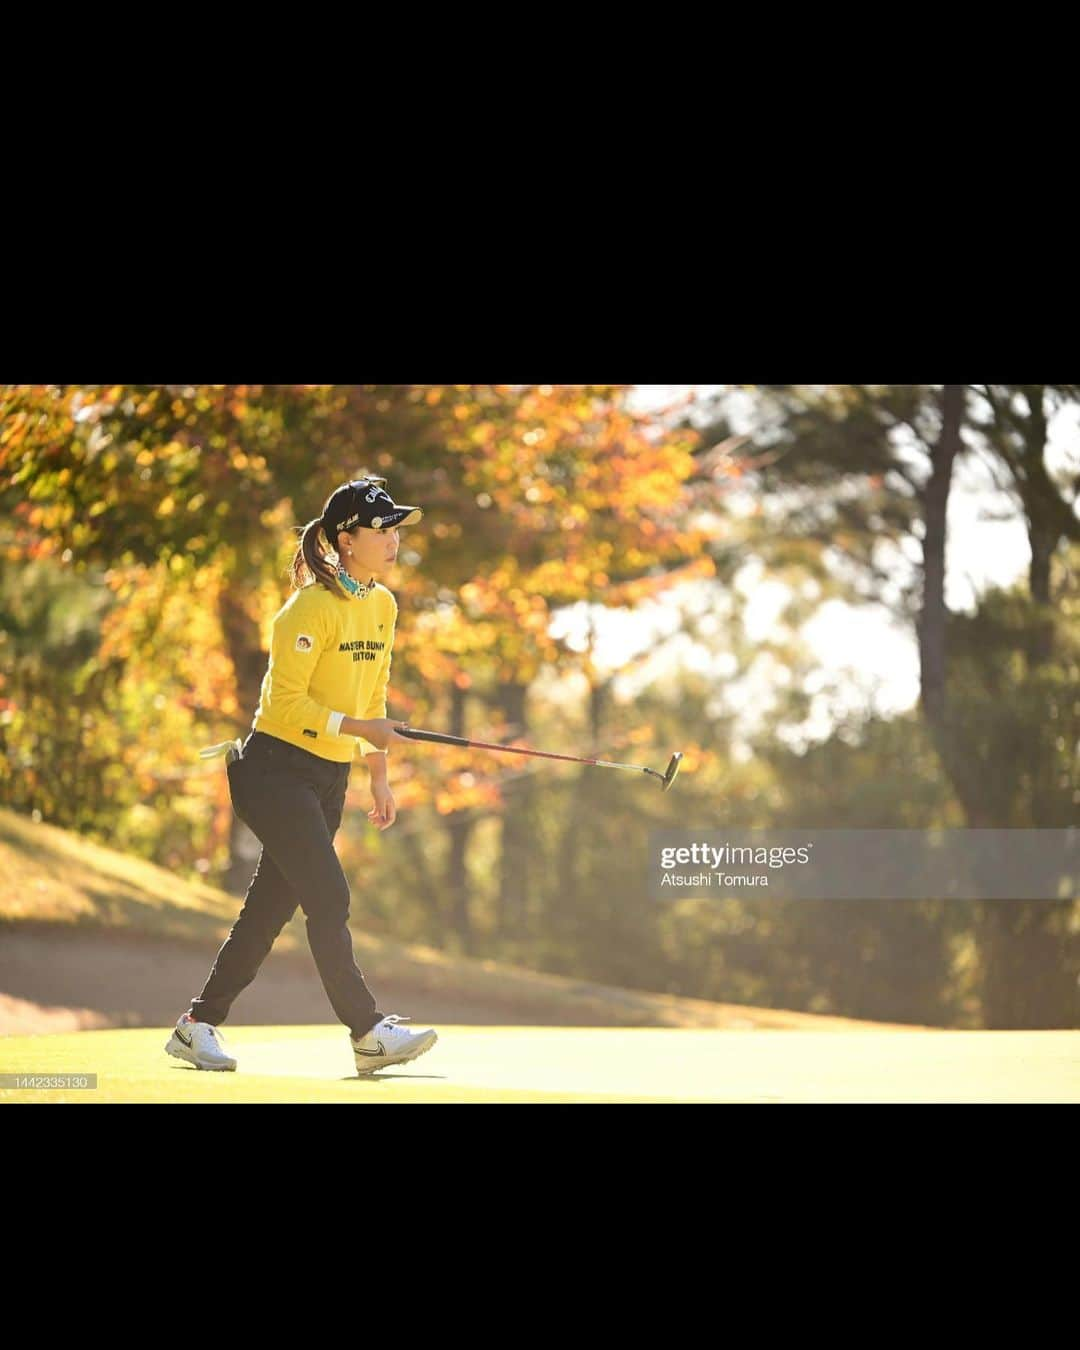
(438, 736)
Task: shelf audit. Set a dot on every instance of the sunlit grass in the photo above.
(314, 1064)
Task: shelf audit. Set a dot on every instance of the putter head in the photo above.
(672, 770)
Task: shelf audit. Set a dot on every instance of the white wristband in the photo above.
(333, 723)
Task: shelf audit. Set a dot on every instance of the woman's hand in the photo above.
(380, 731)
(384, 812)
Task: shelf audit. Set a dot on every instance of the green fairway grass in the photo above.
(567, 1064)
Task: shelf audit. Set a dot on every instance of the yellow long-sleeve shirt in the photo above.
(327, 656)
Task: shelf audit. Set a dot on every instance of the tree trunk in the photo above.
(459, 826)
(599, 698)
(1026, 965)
(1042, 506)
(931, 626)
(1022, 944)
(564, 922)
(516, 852)
(241, 633)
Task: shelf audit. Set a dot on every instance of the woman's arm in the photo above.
(376, 707)
(300, 634)
(376, 763)
(383, 812)
(379, 728)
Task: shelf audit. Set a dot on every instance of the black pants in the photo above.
(292, 802)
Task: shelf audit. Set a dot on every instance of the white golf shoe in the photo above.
(200, 1044)
(388, 1042)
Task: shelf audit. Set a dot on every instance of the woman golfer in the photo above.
(329, 660)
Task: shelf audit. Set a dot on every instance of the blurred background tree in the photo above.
(144, 537)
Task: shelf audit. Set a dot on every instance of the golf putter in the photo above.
(441, 738)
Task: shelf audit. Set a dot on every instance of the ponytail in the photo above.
(310, 560)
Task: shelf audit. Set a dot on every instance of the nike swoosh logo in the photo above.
(381, 1050)
(181, 1037)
